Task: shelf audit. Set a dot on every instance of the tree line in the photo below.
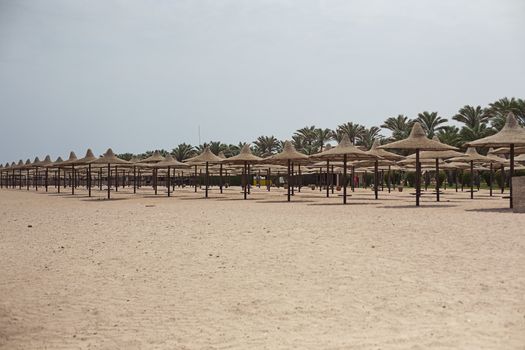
(474, 122)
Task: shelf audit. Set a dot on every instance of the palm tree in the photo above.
(400, 126)
(498, 111)
(306, 136)
(450, 135)
(368, 135)
(125, 156)
(353, 130)
(265, 146)
(183, 151)
(431, 122)
(322, 136)
(475, 120)
(471, 116)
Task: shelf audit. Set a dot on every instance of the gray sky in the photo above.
(138, 75)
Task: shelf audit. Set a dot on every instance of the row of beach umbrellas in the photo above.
(426, 153)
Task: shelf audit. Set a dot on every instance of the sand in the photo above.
(186, 273)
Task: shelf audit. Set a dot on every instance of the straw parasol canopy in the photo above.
(344, 148)
(472, 155)
(506, 150)
(88, 158)
(288, 155)
(244, 157)
(109, 158)
(206, 157)
(511, 134)
(381, 153)
(43, 163)
(387, 159)
(344, 151)
(418, 141)
(169, 162)
(56, 163)
(154, 158)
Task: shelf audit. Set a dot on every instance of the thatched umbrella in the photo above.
(34, 166)
(27, 167)
(512, 135)
(56, 164)
(435, 156)
(472, 156)
(71, 162)
(418, 141)
(87, 160)
(344, 151)
(381, 153)
(288, 155)
(206, 157)
(506, 150)
(222, 156)
(109, 158)
(154, 158)
(244, 157)
(43, 164)
(170, 163)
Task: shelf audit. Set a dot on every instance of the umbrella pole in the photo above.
(248, 179)
(437, 180)
(116, 178)
(195, 177)
(376, 184)
(220, 178)
(109, 181)
(327, 178)
(74, 180)
(155, 180)
(100, 179)
(58, 178)
(47, 179)
(89, 180)
(502, 178)
(134, 179)
(332, 179)
(511, 174)
(353, 178)
(169, 182)
(491, 179)
(268, 174)
(471, 179)
(344, 178)
(206, 180)
(245, 179)
(389, 178)
(293, 179)
(418, 178)
(27, 179)
(288, 180)
(299, 179)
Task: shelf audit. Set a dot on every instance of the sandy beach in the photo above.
(145, 272)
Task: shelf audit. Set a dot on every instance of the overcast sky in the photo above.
(139, 75)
